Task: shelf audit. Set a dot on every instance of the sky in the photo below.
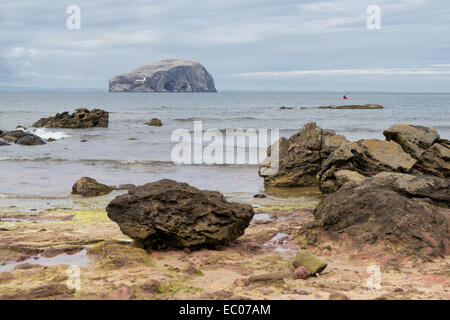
(245, 44)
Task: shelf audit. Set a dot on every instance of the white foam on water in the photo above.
(47, 134)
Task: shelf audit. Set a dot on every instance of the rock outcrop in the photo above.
(413, 139)
(167, 213)
(89, 187)
(318, 157)
(155, 122)
(171, 75)
(435, 160)
(300, 157)
(354, 106)
(417, 186)
(81, 118)
(391, 210)
(367, 158)
(21, 137)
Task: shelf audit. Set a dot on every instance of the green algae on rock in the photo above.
(115, 255)
(313, 264)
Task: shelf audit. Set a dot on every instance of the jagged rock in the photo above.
(3, 143)
(167, 213)
(305, 259)
(421, 186)
(89, 187)
(435, 160)
(413, 139)
(155, 122)
(300, 157)
(81, 118)
(171, 75)
(23, 138)
(374, 213)
(344, 176)
(354, 106)
(366, 157)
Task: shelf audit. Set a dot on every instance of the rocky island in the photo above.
(170, 75)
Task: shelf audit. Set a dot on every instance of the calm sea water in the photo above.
(110, 157)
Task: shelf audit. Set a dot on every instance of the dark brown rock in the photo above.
(371, 213)
(421, 186)
(30, 140)
(300, 157)
(171, 214)
(89, 187)
(155, 122)
(81, 118)
(435, 160)
(22, 137)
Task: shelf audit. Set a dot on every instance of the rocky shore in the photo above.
(81, 118)
(388, 194)
(382, 203)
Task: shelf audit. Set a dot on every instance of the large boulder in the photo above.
(22, 137)
(171, 75)
(81, 118)
(425, 145)
(366, 157)
(300, 157)
(413, 139)
(167, 213)
(89, 187)
(387, 212)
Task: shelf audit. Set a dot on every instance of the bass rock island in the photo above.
(171, 75)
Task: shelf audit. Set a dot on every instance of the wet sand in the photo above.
(37, 248)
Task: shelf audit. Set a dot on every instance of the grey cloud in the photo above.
(229, 37)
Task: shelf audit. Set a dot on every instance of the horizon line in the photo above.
(19, 89)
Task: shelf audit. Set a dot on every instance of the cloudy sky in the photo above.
(245, 44)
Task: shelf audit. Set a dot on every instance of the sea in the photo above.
(131, 152)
